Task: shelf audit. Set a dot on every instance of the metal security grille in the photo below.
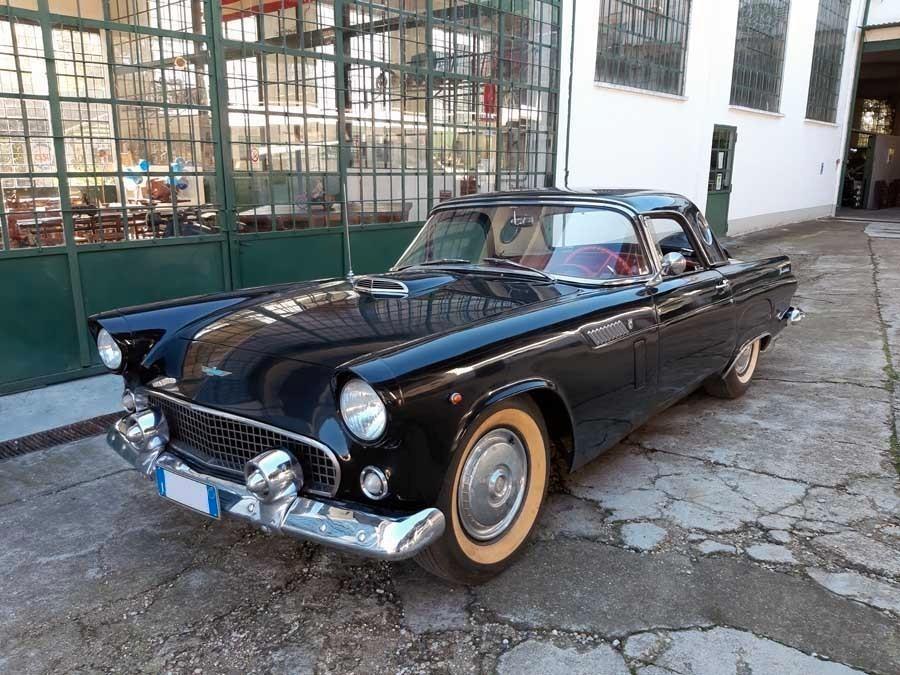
(106, 129)
(373, 111)
(229, 442)
(643, 43)
(155, 149)
(759, 54)
(828, 60)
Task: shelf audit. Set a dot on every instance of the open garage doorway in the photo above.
(871, 185)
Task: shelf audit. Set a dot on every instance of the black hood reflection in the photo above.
(331, 324)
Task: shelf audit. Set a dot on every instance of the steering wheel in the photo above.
(608, 259)
(580, 271)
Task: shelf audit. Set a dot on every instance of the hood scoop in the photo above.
(380, 286)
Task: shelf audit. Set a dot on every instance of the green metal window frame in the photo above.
(643, 44)
(518, 68)
(462, 104)
(758, 70)
(828, 60)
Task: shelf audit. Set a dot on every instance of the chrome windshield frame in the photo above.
(636, 219)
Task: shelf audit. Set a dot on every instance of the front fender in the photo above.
(549, 399)
(496, 396)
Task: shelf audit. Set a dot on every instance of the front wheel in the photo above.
(737, 379)
(492, 494)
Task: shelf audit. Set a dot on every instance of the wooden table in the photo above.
(291, 217)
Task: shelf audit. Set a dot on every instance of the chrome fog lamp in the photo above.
(373, 482)
(110, 353)
(363, 410)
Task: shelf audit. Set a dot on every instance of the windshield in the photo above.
(577, 242)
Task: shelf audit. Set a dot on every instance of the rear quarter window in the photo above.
(708, 241)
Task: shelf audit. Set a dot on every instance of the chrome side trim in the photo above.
(698, 310)
(344, 527)
(259, 425)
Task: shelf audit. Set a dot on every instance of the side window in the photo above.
(714, 250)
(671, 236)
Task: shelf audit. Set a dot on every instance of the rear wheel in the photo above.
(492, 494)
(737, 380)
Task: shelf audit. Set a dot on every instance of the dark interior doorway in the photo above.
(871, 181)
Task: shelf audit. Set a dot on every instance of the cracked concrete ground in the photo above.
(760, 535)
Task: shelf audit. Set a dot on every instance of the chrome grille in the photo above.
(226, 441)
(380, 286)
(606, 332)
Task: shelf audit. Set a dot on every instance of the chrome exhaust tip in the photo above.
(793, 315)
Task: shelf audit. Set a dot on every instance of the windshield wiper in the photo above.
(512, 263)
(438, 261)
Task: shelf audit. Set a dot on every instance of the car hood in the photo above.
(330, 323)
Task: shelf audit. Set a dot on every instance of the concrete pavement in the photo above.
(760, 535)
(58, 405)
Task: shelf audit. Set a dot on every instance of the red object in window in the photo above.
(489, 96)
(241, 8)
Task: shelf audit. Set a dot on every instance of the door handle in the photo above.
(722, 286)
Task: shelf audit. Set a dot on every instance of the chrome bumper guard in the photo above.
(351, 530)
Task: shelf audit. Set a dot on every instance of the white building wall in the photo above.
(883, 11)
(786, 168)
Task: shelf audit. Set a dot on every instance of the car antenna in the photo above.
(345, 206)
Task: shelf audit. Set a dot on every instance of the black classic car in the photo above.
(419, 412)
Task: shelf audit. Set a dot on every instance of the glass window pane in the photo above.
(828, 60)
(643, 44)
(759, 54)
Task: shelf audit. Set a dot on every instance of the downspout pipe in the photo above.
(569, 104)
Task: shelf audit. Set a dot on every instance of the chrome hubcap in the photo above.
(742, 362)
(492, 484)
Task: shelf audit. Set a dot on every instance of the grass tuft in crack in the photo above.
(892, 378)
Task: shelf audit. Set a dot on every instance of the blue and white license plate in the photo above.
(188, 492)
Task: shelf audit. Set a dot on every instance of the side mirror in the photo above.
(673, 264)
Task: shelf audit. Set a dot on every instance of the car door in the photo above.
(695, 311)
(604, 359)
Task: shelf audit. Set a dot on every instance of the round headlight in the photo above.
(110, 353)
(362, 410)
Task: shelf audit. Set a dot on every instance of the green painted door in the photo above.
(721, 162)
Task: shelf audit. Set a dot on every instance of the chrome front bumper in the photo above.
(351, 530)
